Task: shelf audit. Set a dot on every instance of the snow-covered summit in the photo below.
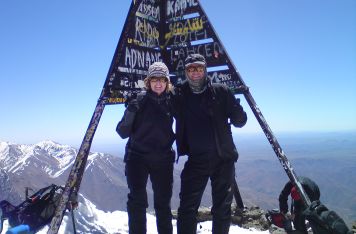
(91, 219)
(47, 156)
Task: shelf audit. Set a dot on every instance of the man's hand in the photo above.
(241, 89)
(289, 216)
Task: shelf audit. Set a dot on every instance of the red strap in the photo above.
(295, 194)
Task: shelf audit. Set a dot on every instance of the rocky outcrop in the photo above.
(252, 217)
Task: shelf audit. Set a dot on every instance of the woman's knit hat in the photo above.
(158, 69)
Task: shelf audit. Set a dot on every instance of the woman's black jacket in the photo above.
(149, 128)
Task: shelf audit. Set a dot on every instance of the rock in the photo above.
(276, 230)
(252, 217)
(204, 214)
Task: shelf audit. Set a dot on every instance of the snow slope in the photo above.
(94, 221)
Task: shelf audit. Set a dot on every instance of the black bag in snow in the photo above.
(325, 221)
(36, 211)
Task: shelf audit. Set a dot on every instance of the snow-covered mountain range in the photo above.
(103, 191)
(48, 162)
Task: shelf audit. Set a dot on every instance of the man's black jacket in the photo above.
(222, 107)
(309, 186)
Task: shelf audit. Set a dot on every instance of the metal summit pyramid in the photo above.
(160, 30)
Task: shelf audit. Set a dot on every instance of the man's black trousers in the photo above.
(194, 178)
(161, 175)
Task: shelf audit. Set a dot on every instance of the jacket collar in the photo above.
(155, 97)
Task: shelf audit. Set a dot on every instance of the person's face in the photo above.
(195, 71)
(158, 84)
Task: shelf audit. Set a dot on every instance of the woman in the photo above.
(147, 122)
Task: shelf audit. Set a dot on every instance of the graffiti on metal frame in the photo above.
(149, 11)
(212, 52)
(138, 48)
(167, 31)
(178, 8)
(189, 31)
(146, 33)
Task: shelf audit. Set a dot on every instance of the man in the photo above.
(297, 206)
(147, 122)
(321, 219)
(203, 132)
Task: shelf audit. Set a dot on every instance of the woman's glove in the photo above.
(133, 106)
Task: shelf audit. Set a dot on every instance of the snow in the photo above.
(59, 172)
(92, 220)
(116, 222)
(4, 150)
(22, 162)
(4, 146)
(92, 157)
(64, 154)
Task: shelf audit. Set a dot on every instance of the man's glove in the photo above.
(289, 216)
(241, 89)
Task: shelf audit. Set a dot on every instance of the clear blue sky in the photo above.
(297, 57)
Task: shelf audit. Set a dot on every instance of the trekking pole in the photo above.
(237, 195)
(73, 221)
(26, 191)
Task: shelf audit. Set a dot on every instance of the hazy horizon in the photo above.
(250, 143)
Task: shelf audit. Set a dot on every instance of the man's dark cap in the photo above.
(194, 59)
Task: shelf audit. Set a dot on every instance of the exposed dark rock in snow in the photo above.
(252, 217)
